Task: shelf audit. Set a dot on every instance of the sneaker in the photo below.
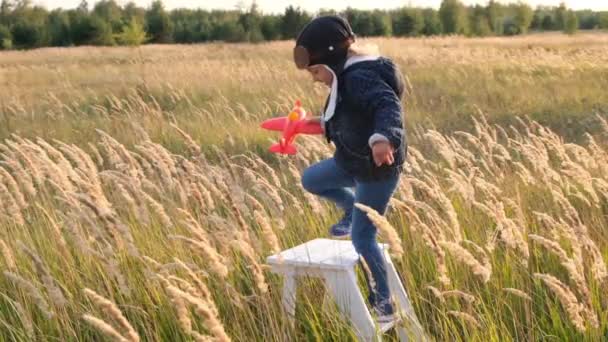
(384, 318)
(341, 230)
(384, 312)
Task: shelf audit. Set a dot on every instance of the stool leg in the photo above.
(403, 301)
(289, 295)
(343, 285)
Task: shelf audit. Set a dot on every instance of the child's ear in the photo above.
(301, 57)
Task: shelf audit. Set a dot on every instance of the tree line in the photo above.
(23, 25)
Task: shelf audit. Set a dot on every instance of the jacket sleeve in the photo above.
(368, 91)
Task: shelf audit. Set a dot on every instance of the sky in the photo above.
(277, 6)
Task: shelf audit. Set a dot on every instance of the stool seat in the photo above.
(321, 253)
(335, 261)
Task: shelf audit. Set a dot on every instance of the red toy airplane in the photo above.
(291, 125)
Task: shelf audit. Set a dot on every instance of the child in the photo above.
(362, 117)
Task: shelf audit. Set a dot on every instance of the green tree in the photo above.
(480, 24)
(603, 20)
(132, 34)
(293, 21)
(271, 27)
(571, 22)
(183, 26)
(190, 26)
(432, 22)
(251, 23)
(110, 12)
(453, 17)
(537, 20)
(560, 16)
(408, 22)
(158, 23)
(59, 28)
(131, 10)
(6, 38)
(495, 12)
(229, 31)
(588, 20)
(6, 10)
(381, 24)
(91, 30)
(27, 34)
(360, 21)
(523, 17)
(547, 23)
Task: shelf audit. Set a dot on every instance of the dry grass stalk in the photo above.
(9, 204)
(23, 177)
(24, 317)
(468, 298)
(13, 188)
(113, 311)
(9, 259)
(518, 293)
(239, 218)
(44, 273)
(567, 298)
(385, 228)
(200, 284)
(254, 202)
(183, 314)
(54, 227)
(192, 145)
(258, 273)
(96, 154)
(212, 322)
(216, 261)
(464, 256)
(267, 231)
(181, 307)
(430, 237)
(159, 210)
(434, 191)
(273, 175)
(32, 291)
(436, 292)
(480, 251)
(465, 317)
(104, 328)
(573, 270)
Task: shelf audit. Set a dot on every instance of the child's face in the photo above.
(320, 74)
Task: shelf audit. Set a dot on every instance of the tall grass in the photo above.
(143, 209)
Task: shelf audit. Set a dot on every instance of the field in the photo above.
(138, 201)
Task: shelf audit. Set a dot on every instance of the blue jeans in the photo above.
(328, 180)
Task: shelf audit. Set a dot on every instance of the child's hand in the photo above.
(383, 153)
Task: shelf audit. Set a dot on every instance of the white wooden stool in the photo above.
(334, 261)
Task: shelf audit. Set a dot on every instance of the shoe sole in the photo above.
(386, 319)
(341, 237)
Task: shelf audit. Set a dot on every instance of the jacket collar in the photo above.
(333, 95)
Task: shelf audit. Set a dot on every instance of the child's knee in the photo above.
(308, 180)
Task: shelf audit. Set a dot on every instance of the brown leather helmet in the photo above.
(325, 40)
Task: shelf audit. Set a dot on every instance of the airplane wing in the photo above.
(307, 127)
(276, 124)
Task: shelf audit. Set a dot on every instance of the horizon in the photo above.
(270, 6)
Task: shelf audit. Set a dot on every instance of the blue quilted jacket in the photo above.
(369, 101)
